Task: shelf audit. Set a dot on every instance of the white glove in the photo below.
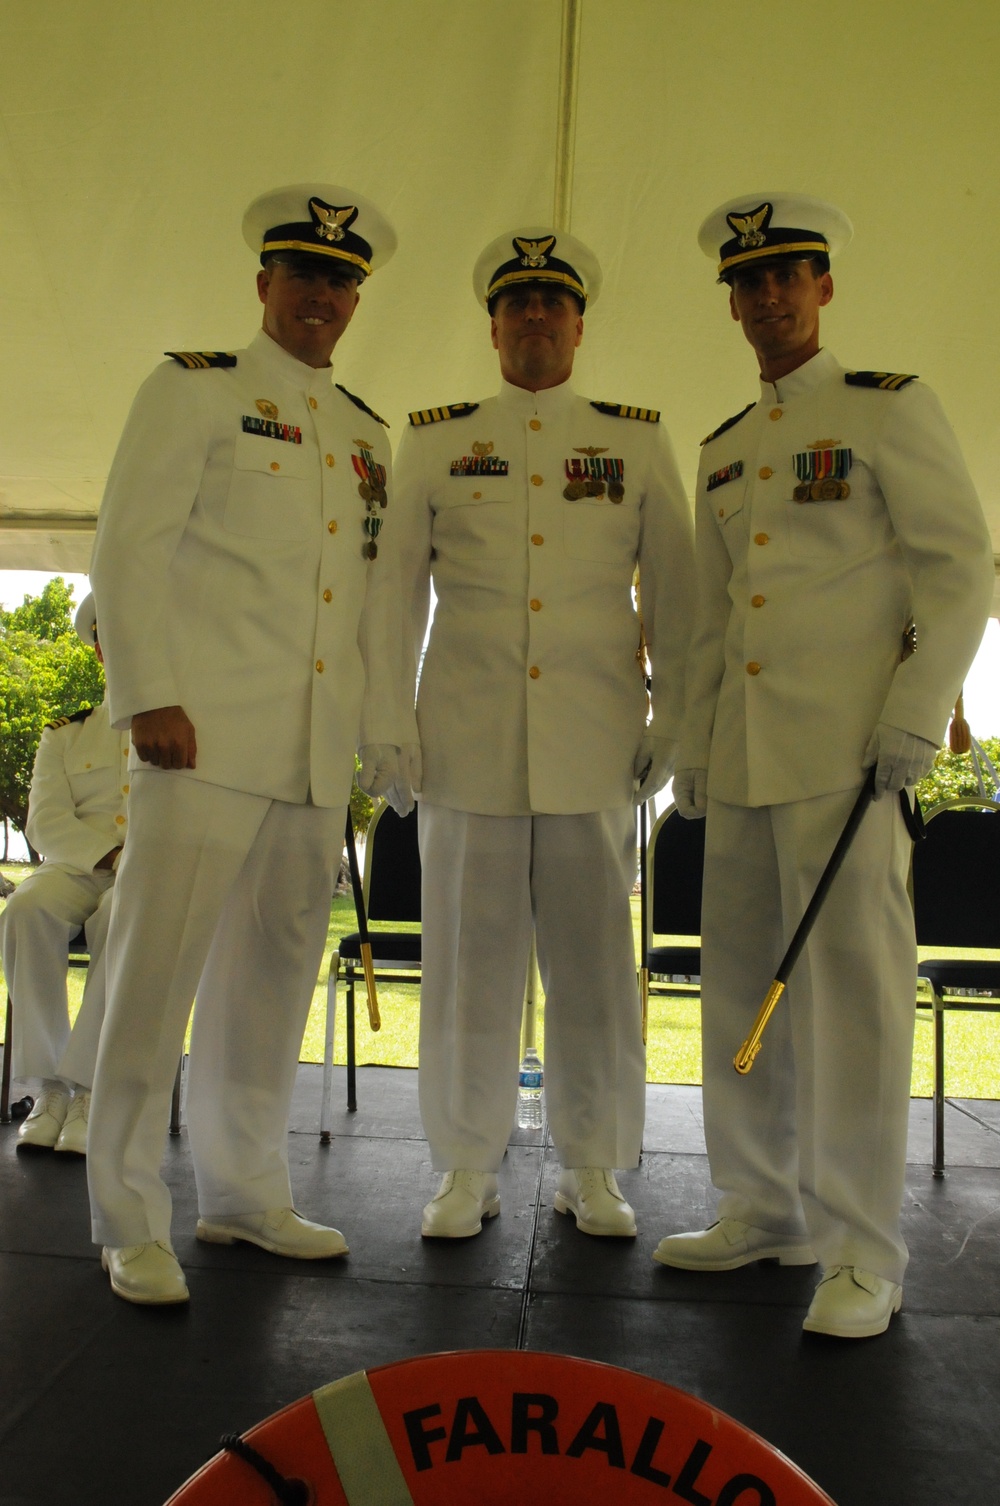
(653, 765)
(691, 793)
(381, 773)
(379, 767)
(901, 758)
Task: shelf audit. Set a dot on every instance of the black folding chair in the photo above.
(956, 903)
(392, 896)
(675, 865)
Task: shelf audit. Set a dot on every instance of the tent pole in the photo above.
(569, 68)
(562, 209)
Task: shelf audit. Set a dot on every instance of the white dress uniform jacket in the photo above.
(78, 806)
(236, 589)
(802, 606)
(531, 695)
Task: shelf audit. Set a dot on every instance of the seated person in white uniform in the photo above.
(531, 511)
(836, 525)
(245, 559)
(76, 819)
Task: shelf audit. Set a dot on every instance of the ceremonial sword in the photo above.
(744, 1057)
(374, 1018)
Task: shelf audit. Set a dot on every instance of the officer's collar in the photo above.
(308, 378)
(804, 378)
(550, 401)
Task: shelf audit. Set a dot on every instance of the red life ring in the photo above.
(492, 1427)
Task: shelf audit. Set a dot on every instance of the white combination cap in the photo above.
(536, 254)
(85, 620)
(320, 219)
(760, 225)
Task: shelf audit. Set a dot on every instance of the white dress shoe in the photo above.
(461, 1203)
(591, 1194)
(281, 1231)
(73, 1135)
(42, 1126)
(146, 1273)
(728, 1244)
(852, 1304)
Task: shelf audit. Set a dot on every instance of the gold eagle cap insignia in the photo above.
(331, 222)
(482, 447)
(590, 449)
(534, 253)
(750, 227)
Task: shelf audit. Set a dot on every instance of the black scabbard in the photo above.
(374, 1018)
(744, 1058)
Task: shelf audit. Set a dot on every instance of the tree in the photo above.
(953, 774)
(49, 616)
(45, 673)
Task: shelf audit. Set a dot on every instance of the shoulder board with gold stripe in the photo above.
(728, 423)
(363, 406)
(64, 721)
(201, 360)
(622, 410)
(885, 381)
(438, 415)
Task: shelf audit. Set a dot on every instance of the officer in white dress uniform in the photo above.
(837, 528)
(77, 816)
(252, 595)
(530, 511)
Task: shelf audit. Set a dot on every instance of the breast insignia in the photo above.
(438, 415)
(622, 410)
(363, 406)
(728, 423)
(201, 360)
(885, 381)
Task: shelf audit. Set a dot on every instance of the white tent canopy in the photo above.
(134, 135)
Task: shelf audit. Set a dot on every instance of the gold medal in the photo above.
(616, 491)
(595, 488)
(825, 491)
(365, 491)
(803, 492)
(575, 490)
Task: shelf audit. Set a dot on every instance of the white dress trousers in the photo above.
(38, 923)
(484, 879)
(228, 895)
(813, 1139)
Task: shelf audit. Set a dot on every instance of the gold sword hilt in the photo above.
(744, 1058)
(374, 1018)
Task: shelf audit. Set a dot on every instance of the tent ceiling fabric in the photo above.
(133, 137)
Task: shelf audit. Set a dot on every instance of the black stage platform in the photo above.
(106, 1404)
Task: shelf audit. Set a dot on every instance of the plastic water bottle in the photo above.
(530, 1078)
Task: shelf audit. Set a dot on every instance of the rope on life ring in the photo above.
(288, 1491)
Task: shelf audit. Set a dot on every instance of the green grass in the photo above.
(972, 1057)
